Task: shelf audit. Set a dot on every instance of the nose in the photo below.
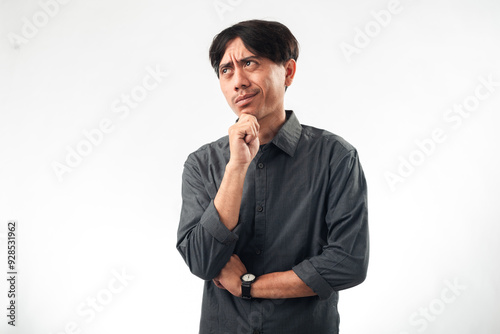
(240, 79)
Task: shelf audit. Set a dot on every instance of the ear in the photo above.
(290, 68)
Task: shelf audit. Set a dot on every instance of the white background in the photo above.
(118, 209)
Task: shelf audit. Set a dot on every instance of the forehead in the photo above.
(235, 49)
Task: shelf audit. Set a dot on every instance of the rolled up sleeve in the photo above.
(204, 242)
(343, 262)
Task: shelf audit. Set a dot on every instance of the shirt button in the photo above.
(260, 165)
(260, 209)
(258, 251)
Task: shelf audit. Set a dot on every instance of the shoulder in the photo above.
(326, 141)
(329, 150)
(209, 152)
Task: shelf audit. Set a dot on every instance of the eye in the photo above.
(248, 63)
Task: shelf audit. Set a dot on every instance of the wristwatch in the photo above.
(246, 284)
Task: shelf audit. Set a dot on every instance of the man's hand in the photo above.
(244, 140)
(243, 146)
(229, 277)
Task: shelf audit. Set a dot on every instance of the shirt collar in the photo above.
(288, 136)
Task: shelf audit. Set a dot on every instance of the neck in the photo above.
(270, 125)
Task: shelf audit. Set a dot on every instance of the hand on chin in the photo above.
(248, 111)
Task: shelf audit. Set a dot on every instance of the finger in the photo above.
(245, 131)
(249, 138)
(257, 125)
(254, 124)
(249, 119)
(251, 133)
(218, 284)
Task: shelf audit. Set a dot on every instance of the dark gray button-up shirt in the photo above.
(304, 208)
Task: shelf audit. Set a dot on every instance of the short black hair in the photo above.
(269, 39)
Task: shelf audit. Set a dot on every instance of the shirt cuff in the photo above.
(308, 274)
(210, 221)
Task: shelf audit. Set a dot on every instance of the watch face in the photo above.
(248, 277)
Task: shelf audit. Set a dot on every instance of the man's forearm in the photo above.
(228, 198)
(276, 285)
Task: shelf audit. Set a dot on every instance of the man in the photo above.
(274, 215)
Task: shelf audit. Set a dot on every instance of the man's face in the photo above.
(252, 84)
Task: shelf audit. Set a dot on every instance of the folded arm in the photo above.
(344, 260)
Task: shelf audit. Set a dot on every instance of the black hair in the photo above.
(268, 39)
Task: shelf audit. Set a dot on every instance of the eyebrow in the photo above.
(243, 60)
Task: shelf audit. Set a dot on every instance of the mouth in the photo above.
(245, 99)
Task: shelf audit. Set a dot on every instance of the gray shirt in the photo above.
(304, 208)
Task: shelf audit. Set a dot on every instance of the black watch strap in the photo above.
(245, 290)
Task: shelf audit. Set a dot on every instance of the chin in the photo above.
(249, 111)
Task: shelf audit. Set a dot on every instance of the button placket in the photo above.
(260, 203)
